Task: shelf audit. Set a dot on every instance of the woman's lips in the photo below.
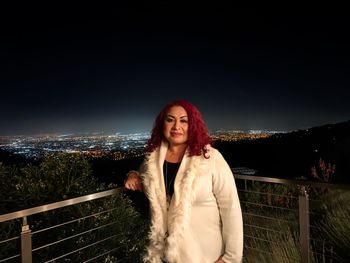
(175, 134)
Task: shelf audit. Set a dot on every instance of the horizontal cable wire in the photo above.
(9, 258)
(256, 249)
(269, 218)
(72, 221)
(74, 236)
(82, 248)
(10, 239)
(324, 247)
(279, 181)
(335, 217)
(262, 239)
(323, 252)
(318, 240)
(270, 206)
(323, 255)
(264, 228)
(264, 193)
(101, 255)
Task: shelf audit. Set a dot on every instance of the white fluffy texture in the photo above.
(180, 216)
(157, 198)
(214, 229)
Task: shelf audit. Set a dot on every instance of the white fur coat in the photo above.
(203, 220)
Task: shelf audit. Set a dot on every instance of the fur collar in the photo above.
(169, 222)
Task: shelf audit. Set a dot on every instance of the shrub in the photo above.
(335, 225)
(114, 223)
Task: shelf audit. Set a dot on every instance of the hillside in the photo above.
(7, 158)
(293, 154)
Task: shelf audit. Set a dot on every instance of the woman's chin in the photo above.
(177, 142)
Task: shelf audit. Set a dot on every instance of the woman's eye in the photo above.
(169, 120)
(184, 121)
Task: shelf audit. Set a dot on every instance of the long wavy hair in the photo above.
(198, 136)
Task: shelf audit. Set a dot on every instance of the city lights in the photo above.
(117, 146)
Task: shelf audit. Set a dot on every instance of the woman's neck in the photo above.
(175, 153)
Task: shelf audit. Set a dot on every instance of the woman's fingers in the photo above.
(139, 186)
(134, 183)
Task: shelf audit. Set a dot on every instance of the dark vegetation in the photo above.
(115, 224)
(294, 154)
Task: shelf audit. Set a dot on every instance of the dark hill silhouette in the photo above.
(111, 171)
(7, 158)
(293, 154)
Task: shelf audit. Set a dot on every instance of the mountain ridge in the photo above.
(293, 154)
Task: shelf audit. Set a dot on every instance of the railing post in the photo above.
(26, 242)
(304, 225)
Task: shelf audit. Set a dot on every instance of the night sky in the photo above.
(89, 71)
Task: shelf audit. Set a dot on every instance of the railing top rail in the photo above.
(60, 204)
(94, 196)
(290, 181)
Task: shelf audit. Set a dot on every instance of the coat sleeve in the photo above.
(225, 191)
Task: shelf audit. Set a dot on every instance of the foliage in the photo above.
(324, 171)
(278, 248)
(271, 229)
(335, 223)
(270, 215)
(272, 194)
(56, 178)
(330, 216)
(111, 222)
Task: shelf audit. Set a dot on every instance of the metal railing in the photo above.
(22, 243)
(279, 215)
(283, 219)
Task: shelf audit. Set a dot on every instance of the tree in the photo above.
(65, 176)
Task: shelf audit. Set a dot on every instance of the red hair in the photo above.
(198, 136)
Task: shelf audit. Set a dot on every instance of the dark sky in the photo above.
(83, 71)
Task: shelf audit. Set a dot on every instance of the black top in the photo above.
(170, 171)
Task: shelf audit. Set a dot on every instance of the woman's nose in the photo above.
(176, 125)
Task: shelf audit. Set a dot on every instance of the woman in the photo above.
(195, 210)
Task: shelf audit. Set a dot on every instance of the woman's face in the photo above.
(175, 127)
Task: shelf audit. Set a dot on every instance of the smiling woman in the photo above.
(196, 214)
(176, 126)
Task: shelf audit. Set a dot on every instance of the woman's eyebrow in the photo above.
(171, 116)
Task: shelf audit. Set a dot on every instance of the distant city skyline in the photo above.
(117, 146)
(244, 68)
(61, 128)
(134, 133)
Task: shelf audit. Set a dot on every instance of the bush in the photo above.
(111, 221)
(335, 223)
(271, 230)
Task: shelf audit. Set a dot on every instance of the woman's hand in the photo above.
(219, 261)
(133, 181)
